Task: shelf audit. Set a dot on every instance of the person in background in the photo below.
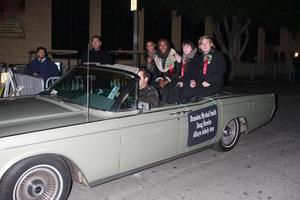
(167, 69)
(282, 57)
(96, 54)
(208, 72)
(150, 52)
(42, 66)
(147, 93)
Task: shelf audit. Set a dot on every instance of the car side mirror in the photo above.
(143, 105)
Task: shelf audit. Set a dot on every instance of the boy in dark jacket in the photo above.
(96, 53)
(42, 66)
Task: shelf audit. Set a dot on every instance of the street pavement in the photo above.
(264, 165)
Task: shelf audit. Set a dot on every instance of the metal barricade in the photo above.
(51, 80)
(29, 85)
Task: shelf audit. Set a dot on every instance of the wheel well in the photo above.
(75, 172)
(243, 125)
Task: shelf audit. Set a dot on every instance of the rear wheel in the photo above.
(230, 136)
(41, 177)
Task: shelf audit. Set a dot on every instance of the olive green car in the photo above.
(67, 134)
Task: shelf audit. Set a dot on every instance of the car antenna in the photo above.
(88, 83)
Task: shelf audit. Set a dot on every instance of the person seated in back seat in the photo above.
(189, 57)
(167, 69)
(150, 64)
(147, 93)
(208, 72)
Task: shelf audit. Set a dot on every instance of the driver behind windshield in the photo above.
(147, 93)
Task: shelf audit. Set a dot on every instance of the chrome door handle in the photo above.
(176, 114)
(180, 113)
(185, 112)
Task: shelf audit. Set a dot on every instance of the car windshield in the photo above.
(105, 86)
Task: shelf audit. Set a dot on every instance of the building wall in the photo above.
(209, 28)
(261, 45)
(95, 17)
(176, 31)
(37, 33)
(294, 43)
(288, 43)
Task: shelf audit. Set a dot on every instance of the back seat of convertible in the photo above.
(196, 98)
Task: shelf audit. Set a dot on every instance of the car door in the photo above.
(149, 137)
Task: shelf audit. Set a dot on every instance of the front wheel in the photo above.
(41, 177)
(230, 136)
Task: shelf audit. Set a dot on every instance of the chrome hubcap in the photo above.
(36, 188)
(229, 134)
(42, 182)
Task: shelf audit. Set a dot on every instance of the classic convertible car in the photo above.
(88, 127)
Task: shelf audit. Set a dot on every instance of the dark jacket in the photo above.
(189, 69)
(45, 69)
(149, 95)
(215, 71)
(151, 67)
(166, 67)
(99, 56)
(169, 75)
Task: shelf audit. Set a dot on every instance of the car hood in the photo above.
(27, 114)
